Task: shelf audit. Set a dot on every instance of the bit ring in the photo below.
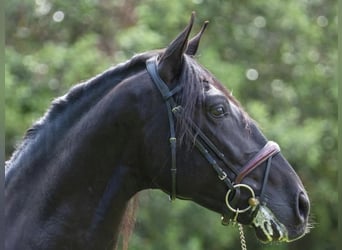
(238, 210)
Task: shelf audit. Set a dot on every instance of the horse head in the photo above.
(218, 156)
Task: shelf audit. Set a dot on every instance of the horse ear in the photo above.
(194, 42)
(171, 60)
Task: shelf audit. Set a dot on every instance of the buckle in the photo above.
(223, 176)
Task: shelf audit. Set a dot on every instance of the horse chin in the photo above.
(268, 228)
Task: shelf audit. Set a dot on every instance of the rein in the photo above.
(206, 147)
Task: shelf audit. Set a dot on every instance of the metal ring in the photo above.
(238, 210)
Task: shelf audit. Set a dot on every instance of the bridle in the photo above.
(207, 148)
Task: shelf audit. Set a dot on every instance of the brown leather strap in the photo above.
(270, 149)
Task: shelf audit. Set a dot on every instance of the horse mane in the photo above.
(128, 222)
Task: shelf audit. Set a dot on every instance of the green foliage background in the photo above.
(292, 45)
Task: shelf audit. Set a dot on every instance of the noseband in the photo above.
(207, 149)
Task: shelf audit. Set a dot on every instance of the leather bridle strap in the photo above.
(270, 149)
(265, 154)
(210, 145)
(167, 95)
(222, 175)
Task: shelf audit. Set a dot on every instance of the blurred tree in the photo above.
(278, 58)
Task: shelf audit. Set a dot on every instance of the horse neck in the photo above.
(75, 190)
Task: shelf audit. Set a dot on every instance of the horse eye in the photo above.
(218, 111)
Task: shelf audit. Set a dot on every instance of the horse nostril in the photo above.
(303, 207)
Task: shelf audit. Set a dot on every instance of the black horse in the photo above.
(68, 184)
